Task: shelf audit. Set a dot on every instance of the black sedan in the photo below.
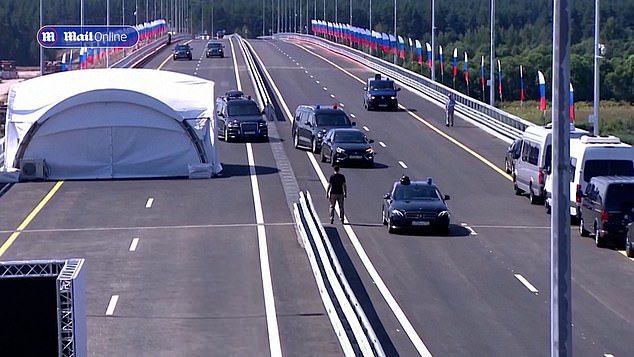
(346, 145)
(215, 49)
(182, 51)
(415, 204)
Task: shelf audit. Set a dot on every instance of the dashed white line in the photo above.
(608, 355)
(402, 164)
(149, 202)
(332, 96)
(306, 72)
(112, 305)
(366, 128)
(352, 115)
(133, 245)
(341, 105)
(382, 144)
(466, 226)
(311, 76)
(526, 283)
(325, 88)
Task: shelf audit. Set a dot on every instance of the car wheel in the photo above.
(371, 163)
(323, 157)
(599, 240)
(582, 229)
(296, 140)
(444, 231)
(314, 147)
(547, 205)
(507, 168)
(531, 196)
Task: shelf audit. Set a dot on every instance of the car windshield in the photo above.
(243, 108)
(415, 192)
(333, 119)
(181, 48)
(349, 137)
(214, 45)
(620, 197)
(381, 85)
(594, 168)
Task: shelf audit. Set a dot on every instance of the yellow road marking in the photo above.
(423, 121)
(29, 218)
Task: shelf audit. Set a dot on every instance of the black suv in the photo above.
(215, 49)
(380, 93)
(182, 51)
(607, 207)
(313, 121)
(239, 117)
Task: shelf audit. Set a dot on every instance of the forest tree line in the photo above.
(523, 31)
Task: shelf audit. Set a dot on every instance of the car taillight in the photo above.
(578, 194)
(604, 216)
(540, 176)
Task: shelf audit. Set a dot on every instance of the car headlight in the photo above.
(320, 134)
(392, 97)
(340, 150)
(262, 124)
(234, 124)
(396, 212)
(369, 150)
(444, 214)
(372, 97)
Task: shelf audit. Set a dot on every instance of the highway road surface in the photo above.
(197, 281)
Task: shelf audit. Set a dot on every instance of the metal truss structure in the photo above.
(71, 317)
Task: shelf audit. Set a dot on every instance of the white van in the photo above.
(593, 156)
(535, 160)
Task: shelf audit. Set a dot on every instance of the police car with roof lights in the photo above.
(415, 204)
(311, 122)
(380, 92)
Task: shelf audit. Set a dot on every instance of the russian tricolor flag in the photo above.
(419, 52)
(542, 91)
(429, 59)
(64, 62)
(401, 45)
(455, 63)
(521, 84)
(466, 68)
(572, 104)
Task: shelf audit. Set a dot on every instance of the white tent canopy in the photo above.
(112, 123)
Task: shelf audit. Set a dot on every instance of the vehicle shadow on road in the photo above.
(360, 291)
(234, 170)
(455, 230)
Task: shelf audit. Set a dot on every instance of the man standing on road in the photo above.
(449, 107)
(336, 193)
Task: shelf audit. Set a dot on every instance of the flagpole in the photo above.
(491, 74)
(107, 25)
(433, 38)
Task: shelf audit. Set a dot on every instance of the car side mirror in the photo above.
(398, 89)
(371, 141)
(221, 115)
(263, 112)
(387, 196)
(447, 197)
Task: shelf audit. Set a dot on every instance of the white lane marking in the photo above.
(382, 144)
(341, 105)
(267, 285)
(311, 76)
(526, 283)
(512, 227)
(112, 304)
(366, 128)
(402, 164)
(306, 72)
(473, 233)
(133, 245)
(376, 278)
(149, 202)
(325, 88)
(235, 66)
(332, 96)
(317, 81)
(387, 295)
(352, 115)
(608, 355)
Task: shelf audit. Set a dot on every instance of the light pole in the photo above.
(492, 56)
(597, 56)
(107, 25)
(433, 40)
(350, 23)
(395, 38)
(336, 8)
(42, 48)
(370, 15)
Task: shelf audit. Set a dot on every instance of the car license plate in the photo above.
(249, 133)
(356, 156)
(420, 223)
(382, 105)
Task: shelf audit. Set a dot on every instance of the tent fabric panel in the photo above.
(154, 152)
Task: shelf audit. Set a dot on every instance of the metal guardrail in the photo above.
(349, 321)
(506, 124)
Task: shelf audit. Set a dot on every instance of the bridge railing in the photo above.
(506, 124)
